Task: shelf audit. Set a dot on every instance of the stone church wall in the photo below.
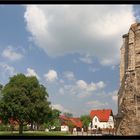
(128, 122)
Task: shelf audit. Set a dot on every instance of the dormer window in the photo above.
(95, 119)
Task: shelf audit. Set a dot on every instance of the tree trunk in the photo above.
(37, 125)
(12, 128)
(32, 125)
(71, 130)
(49, 127)
(20, 128)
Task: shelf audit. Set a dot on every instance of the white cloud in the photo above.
(83, 94)
(114, 67)
(96, 104)
(51, 76)
(88, 29)
(114, 95)
(75, 61)
(68, 84)
(90, 87)
(114, 92)
(86, 59)
(61, 81)
(93, 69)
(108, 61)
(69, 75)
(8, 69)
(96, 86)
(36, 21)
(32, 72)
(61, 91)
(11, 54)
(60, 107)
(115, 98)
(100, 84)
(81, 84)
(82, 89)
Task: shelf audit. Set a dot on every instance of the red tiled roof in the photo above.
(63, 117)
(76, 121)
(103, 115)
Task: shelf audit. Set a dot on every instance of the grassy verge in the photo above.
(34, 133)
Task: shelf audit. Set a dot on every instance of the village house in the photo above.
(75, 123)
(101, 119)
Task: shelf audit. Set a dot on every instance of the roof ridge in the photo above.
(102, 114)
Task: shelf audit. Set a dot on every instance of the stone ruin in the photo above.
(128, 117)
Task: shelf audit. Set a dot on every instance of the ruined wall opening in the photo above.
(137, 101)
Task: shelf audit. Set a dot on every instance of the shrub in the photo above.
(25, 128)
(4, 127)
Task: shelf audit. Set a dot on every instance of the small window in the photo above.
(95, 119)
(95, 126)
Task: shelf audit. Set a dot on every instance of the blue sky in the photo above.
(74, 50)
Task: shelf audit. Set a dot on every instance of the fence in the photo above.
(96, 132)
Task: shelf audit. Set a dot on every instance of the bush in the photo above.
(25, 128)
(42, 128)
(4, 127)
(57, 129)
(16, 127)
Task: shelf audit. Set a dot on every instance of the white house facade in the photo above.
(101, 119)
(64, 128)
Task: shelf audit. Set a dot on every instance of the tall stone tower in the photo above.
(128, 117)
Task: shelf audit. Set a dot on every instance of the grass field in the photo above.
(34, 133)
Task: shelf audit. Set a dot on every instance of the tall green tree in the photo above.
(53, 119)
(24, 100)
(1, 86)
(86, 120)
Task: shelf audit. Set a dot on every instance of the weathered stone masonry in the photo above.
(128, 117)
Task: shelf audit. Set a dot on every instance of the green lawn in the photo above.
(34, 133)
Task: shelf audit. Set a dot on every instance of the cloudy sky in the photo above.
(74, 50)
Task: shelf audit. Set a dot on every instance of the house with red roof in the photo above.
(64, 120)
(101, 119)
(67, 121)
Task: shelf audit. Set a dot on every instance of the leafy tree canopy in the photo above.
(85, 120)
(24, 100)
(1, 86)
(53, 119)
